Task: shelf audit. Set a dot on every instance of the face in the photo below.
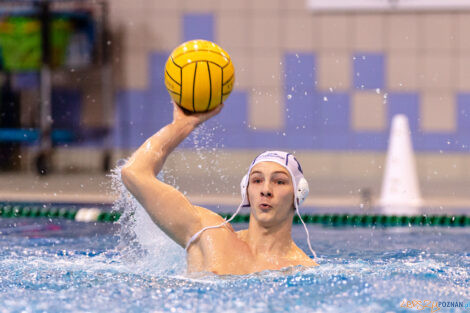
(271, 193)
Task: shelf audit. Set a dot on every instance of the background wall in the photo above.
(324, 86)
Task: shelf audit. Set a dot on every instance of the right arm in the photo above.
(167, 207)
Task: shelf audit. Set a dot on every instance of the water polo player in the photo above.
(273, 188)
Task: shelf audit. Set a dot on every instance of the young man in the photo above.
(274, 188)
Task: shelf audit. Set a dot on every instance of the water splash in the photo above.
(209, 157)
(142, 244)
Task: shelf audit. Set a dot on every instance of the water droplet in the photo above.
(289, 96)
(325, 99)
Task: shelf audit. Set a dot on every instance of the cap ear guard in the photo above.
(243, 186)
(302, 191)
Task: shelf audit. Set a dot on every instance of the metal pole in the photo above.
(107, 85)
(45, 146)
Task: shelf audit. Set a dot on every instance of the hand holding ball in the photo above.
(199, 75)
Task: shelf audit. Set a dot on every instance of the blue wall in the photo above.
(313, 119)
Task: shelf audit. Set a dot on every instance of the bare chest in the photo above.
(230, 255)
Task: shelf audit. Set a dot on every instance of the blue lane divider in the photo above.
(94, 214)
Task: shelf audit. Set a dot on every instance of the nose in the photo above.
(266, 190)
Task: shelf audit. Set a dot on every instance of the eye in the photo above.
(280, 182)
(256, 180)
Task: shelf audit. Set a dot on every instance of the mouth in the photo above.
(265, 207)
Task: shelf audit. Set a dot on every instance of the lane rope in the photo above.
(93, 214)
(82, 214)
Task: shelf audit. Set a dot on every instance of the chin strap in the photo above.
(196, 235)
(308, 235)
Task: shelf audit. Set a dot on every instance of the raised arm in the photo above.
(167, 207)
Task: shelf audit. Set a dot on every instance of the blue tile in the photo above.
(299, 92)
(66, 108)
(303, 141)
(335, 140)
(463, 142)
(463, 113)
(372, 141)
(157, 71)
(334, 112)
(228, 129)
(198, 26)
(264, 140)
(300, 72)
(369, 71)
(302, 113)
(235, 111)
(128, 132)
(435, 142)
(463, 122)
(406, 103)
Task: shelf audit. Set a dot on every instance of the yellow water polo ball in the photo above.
(199, 75)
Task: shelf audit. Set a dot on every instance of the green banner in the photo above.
(20, 42)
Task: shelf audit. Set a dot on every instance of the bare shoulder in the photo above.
(210, 218)
(214, 239)
(302, 259)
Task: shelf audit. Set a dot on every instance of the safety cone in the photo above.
(400, 187)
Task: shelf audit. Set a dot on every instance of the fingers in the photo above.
(207, 115)
(195, 118)
(216, 110)
(177, 108)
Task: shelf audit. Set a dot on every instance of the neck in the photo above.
(275, 241)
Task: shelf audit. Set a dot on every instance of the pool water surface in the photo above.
(66, 266)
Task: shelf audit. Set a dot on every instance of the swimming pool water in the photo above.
(66, 266)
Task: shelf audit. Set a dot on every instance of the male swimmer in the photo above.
(273, 188)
